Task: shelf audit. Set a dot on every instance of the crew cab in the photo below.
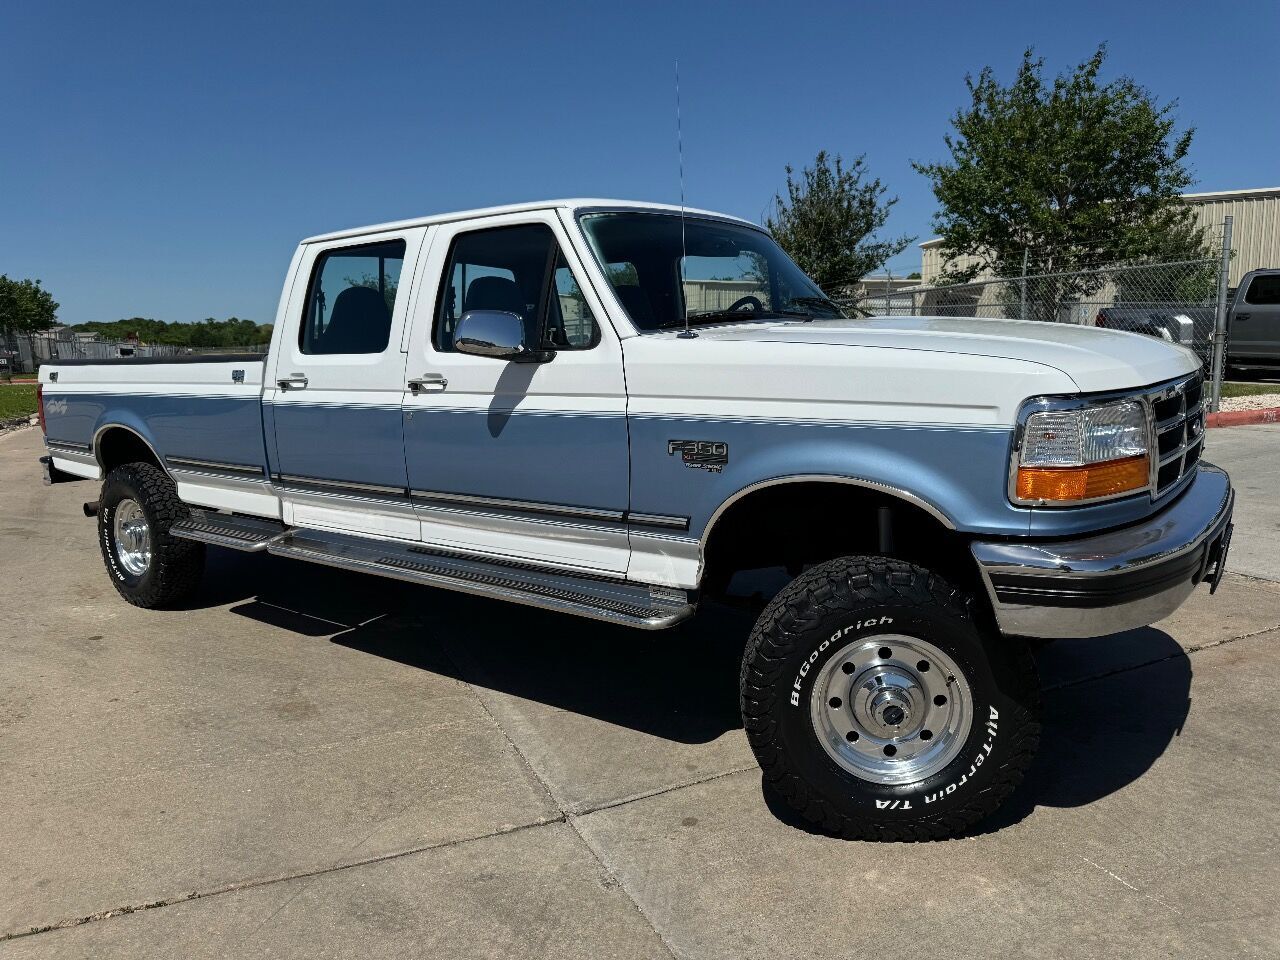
(618, 410)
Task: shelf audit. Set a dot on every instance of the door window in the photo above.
(351, 299)
(518, 270)
(1264, 291)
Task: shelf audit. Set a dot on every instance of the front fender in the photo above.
(958, 474)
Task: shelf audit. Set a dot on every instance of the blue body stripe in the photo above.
(586, 460)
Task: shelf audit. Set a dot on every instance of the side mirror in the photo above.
(497, 334)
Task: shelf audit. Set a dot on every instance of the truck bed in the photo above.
(200, 416)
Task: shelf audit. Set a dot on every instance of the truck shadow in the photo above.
(679, 684)
(1112, 705)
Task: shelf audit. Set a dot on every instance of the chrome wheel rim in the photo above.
(891, 709)
(132, 537)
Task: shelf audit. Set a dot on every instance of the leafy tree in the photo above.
(232, 332)
(25, 306)
(829, 221)
(1068, 173)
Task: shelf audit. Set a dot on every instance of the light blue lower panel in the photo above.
(360, 444)
(550, 458)
(224, 429)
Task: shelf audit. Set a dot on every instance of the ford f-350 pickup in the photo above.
(612, 409)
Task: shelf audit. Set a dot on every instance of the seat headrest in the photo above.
(360, 323)
(494, 293)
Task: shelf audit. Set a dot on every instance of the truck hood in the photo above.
(1095, 360)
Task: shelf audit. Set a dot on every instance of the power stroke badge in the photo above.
(710, 455)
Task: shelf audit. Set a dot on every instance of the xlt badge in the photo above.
(709, 455)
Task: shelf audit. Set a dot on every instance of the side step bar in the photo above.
(250, 534)
(600, 598)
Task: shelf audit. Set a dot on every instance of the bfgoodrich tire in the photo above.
(879, 710)
(148, 566)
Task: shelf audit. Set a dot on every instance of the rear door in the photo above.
(333, 401)
(525, 461)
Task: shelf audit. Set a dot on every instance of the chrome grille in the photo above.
(1178, 421)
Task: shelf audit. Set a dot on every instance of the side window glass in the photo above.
(500, 269)
(512, 269)
(1264, 291)
(570, 323)
(351, 299)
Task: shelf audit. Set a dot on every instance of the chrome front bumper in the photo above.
(1113, 581)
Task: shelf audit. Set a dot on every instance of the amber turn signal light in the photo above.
(1060, 484)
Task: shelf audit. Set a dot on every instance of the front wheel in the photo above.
(879, 710)
(148, 566)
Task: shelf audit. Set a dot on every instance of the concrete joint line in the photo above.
(1150, 663)
(269, 881)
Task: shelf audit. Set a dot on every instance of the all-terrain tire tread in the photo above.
(864, 582)
(177, 564)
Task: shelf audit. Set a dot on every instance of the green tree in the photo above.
(829, 221)
(1068, 173)
(25, 306)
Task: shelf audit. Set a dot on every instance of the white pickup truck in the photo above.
(614, 409)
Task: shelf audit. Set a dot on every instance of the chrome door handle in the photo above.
(429, 383)
(295, 381)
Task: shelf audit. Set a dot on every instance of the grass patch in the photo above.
(1249, 389)
(17, 401)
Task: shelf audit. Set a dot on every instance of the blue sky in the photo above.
(162, 160)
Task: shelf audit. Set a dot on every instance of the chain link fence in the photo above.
(25, 353)
(1181, 300)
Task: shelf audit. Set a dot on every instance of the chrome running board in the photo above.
(582, 594)
(250, 534)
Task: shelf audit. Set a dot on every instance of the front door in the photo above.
(333, 403)
(1255, 321)
(523, 461)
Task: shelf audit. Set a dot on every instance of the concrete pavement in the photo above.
(313, 763)
(1252, 455)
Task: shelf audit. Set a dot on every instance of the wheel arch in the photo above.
(116, 443)
(798, 520)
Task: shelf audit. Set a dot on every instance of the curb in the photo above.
(1240, 418)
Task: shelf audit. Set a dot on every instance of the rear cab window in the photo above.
(351, 298)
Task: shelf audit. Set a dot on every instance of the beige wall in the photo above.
(1255, 228)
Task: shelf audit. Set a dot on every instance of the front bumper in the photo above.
(1094, 586)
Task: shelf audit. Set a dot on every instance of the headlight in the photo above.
(1075, 456)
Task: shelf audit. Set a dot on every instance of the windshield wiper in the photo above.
(822, 302)
(716, 316)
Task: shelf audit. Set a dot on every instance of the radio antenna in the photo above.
(684, 306)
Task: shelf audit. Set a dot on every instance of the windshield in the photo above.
(727, 272)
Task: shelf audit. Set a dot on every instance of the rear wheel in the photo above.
(148, 567)
(879, 710)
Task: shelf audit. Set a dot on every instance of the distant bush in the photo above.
(232, 332)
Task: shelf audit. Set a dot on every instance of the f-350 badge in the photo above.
(710, 455)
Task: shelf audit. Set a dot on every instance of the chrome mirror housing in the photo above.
(491, 333)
